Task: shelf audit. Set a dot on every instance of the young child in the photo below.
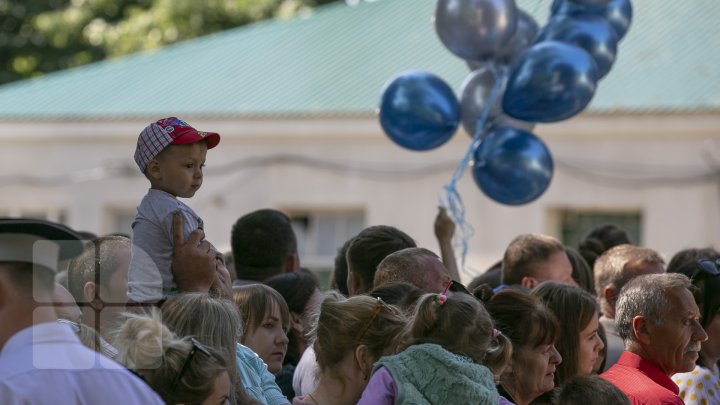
(451, 339)
(351, 334)
(171, 155)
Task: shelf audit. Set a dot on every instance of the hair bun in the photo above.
(143, 340)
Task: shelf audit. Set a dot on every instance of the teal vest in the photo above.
(427, 374)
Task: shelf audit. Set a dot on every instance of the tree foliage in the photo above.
(41, 36)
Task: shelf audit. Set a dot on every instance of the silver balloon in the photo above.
(525, 32)
(475, 29)
(475, 96)
(474, 64)
(504, 120)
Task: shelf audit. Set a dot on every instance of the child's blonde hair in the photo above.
(345, 323)
(460, 324)
(149, 348)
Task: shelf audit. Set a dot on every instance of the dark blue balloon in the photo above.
(512, 166)
(419, 111)
(617, 12)
(551, 81)
(592, 33)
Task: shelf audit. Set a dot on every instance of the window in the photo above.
(575, 224)
(321, 233)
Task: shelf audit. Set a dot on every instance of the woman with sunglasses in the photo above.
(350, 336)
(702, 385)
(180, 370)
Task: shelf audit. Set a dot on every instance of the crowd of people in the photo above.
(161, 316)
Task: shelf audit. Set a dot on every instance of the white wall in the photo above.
(676, 215)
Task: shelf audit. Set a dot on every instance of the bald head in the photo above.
(417, 266)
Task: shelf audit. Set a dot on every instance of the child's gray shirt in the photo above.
(150, 276)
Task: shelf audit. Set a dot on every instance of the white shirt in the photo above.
(306, 373)
(615, 345)
(47, 364)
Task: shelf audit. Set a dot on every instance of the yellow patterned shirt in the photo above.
(700, 386)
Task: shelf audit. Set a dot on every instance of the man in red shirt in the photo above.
(658, 320)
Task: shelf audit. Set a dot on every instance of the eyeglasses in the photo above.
(380, 305)
(195, 347)
(709, 267)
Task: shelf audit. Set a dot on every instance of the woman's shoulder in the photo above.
(697, 374)
(701, 383)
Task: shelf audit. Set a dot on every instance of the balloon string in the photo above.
(452, 200)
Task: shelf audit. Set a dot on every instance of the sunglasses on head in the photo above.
(196, 346)
(706, 266)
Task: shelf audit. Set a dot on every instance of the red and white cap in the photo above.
(168, 131)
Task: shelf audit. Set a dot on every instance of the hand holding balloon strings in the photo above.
(452, 200)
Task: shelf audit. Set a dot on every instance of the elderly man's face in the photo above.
(675, 342)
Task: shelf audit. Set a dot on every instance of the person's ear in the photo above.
(91, 292)
(296, 323)
(364, 360)
(292, 263)
(611, 295)
(529, 282)
(507, 372)
(641, 329)
(153, 169)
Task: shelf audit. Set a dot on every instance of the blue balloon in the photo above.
(512, 166)
(551, 81)
(590, 32)
(419, 111)
(617, 12)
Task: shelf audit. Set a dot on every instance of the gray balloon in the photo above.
(525, 32)
(475, 29)
(474, 64)
(475, 94)
(504, 120)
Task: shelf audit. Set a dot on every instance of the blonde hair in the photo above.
(461, 325)
(345, 323)
(159, 356)
(215, 322)
(254, 301)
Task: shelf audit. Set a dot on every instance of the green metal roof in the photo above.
(335, 61)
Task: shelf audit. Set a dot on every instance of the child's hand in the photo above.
(193, 264)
